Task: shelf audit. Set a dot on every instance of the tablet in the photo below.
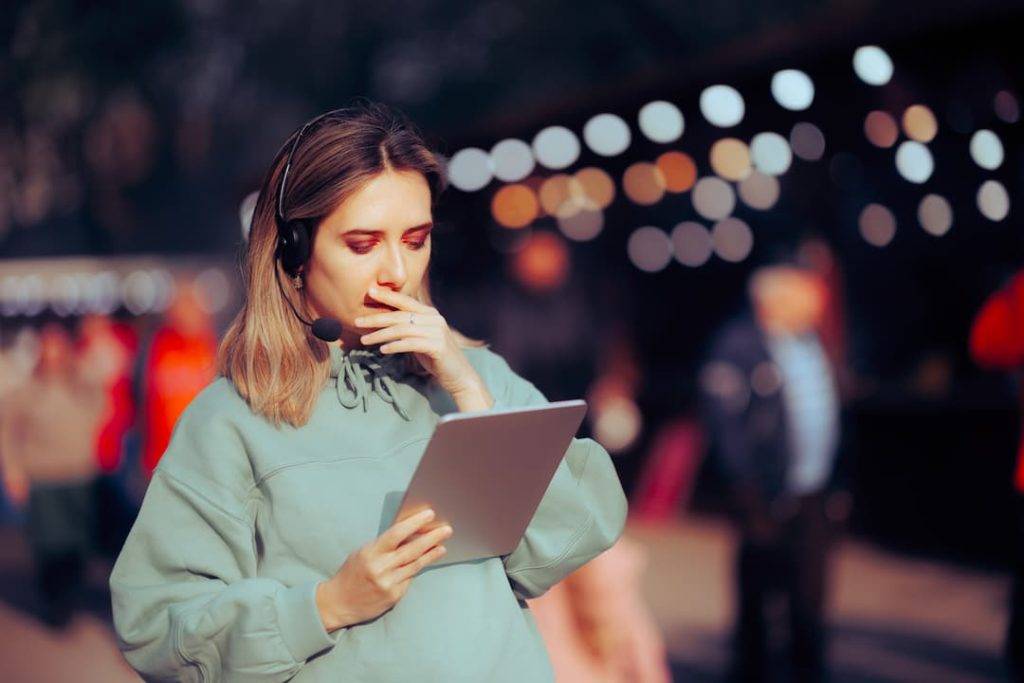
(484, 473)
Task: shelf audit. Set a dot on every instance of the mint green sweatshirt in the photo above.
(242, 519)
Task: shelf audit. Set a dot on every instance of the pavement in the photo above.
(893, 618)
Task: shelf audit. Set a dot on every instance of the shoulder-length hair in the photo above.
(274, 361)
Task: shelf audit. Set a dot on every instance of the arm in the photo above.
(581, 514)
(187, 602)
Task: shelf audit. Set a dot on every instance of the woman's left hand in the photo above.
(419, 329)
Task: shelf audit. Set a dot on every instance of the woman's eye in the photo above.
(417, 245)
(361, 247)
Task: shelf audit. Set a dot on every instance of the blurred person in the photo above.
(180, 362)
(597, 626)
(258, 552)
(997, 342)
(101, 334)
(773, 412)
(48, 431)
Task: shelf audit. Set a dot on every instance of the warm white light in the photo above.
(470, 169)
(512, 160)
(872, 65)
(987, 150)
(556, 147)
(993, 200)
(914, 161)
(935, 215)
(732, 240)
(793, 89)
(607, 135)
(770, 153)
(661, 121)
(722, 105)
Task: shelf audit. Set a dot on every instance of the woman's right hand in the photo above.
(376, 576)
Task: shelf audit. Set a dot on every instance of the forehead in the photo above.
(392, 200)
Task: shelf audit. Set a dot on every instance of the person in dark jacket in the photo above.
(772, 407)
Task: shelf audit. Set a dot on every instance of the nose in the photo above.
(392, 272)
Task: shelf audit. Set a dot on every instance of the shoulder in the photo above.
(208, 445)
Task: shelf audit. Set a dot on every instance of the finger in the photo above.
(398, 332)
(380, 320)
(427, 345)
(415, 548)
(400, 531)
(406, 572)
(398, 300)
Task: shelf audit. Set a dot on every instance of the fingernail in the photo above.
(359, 322)
(373, 290)
(427, 514)
(442, 549)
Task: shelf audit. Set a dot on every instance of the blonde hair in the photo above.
(274, 361)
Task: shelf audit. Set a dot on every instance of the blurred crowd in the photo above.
(86, 409)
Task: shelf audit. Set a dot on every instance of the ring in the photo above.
(412, 318)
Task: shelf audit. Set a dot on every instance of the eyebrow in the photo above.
(362, 231)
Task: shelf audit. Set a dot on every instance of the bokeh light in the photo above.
(607, 135)
(807, 141)
(592, 188)
(713, 198)
(470, 169)
(914, 161)
(935, 215)
(245, 212)
(512, 160)
(617, 423)
(582, 226)
(759, 191)
(556, 196)
(877, 225)
(138, 290)
(730, 158)
(919, 123)
(542, 264)
(649, 249)
(661, 121)
(691, 244)
(872, 65)
(214, 290)
(732, 239)
(643, 183)
(993, 200)
(556, 147)
(792, 89)
(514, 206)
(722, 105)
(770, 153)
(1006, 106)
(986, 150)
(679, 171)
(880, 129)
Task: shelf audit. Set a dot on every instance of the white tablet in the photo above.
(484, 473)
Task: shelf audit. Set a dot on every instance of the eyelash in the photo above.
(361, 249)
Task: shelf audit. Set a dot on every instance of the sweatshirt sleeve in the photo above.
(187, 601)
(580, 516)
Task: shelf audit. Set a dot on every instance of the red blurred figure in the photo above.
(997, 342)
(101, 332)
(180, 363)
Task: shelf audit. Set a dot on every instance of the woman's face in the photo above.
(380, 235)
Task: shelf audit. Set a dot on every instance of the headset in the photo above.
(294, 237)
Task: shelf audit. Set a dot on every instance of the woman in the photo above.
(262, 550)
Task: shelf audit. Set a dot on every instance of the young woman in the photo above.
(262, 550)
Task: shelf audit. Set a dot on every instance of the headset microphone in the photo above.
(293, 244)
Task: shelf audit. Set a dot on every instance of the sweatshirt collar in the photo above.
(362, 372)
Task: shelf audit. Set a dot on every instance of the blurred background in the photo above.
(640, 193)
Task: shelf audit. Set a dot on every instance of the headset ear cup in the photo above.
(294, 246)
